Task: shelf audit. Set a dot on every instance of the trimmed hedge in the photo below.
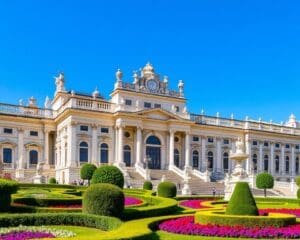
(42, 185)
(108, 174)
(242, 201)
(52, 180)
(76, 219)
(166, 189)
(103, 199)
(281, 200)
(7, 187)
(148, 185)
(47, 202)
(87, 171)
(219, 218)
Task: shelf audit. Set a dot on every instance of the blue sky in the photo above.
(238, 57)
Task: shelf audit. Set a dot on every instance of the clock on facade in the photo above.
(152, 85)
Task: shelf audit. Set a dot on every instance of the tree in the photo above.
(298, 181)
(87, 171)
(264, 181)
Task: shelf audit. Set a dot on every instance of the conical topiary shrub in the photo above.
(242, 201)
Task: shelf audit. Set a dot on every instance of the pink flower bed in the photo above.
(196, 204)
(186, 225)
(25, 235)
(132, 201)
(280, 210)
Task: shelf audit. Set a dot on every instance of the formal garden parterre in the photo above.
(104, 210)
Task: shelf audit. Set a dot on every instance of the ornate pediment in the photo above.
(158, 114)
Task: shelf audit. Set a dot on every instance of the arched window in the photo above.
(176, 157)
(277, 164)
(83, 152)
(33, 157)
(7, 155)
(225, 162)
(254, 162)
(104, 153)
(127, 155)
(195, 159)
(297, 165)
(210, 160)
(287, 164)
(266, 163)
(153, 140)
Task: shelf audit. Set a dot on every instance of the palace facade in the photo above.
(144, 125)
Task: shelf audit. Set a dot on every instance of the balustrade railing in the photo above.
(25, 111)
(247, 124)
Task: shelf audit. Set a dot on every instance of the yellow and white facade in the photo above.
(144, 125)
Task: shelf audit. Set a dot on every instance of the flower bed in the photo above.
(24, 232)
(280, 210)
(129, 201)
(195, 203)
(186, 225)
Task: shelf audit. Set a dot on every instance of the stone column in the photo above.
(282, 162)
(171, 150)
(233, 149)
(271, 164)
(293, 161)
(248, 151)
(203, 153)
(21, 163)
(71, 161)
(218, 166)
(187, 164)
(94, 159)
(46, 148)
(120, 145)
(138, 146)
(260, 157)
(116, 153)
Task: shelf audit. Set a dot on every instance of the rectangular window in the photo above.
(177, 108)
(277, 145)
(157, 105)
(128, 102)
(266, 144)
(195, 139)
(210, 140)
(7, 155)
(287, 146)
(84, 128)
(8, 130)
(104, 130)
(226, 141)
(297, 147)
(147, 105)
(254, 143)
(34, 133)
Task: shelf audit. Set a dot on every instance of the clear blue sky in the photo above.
(240, 57)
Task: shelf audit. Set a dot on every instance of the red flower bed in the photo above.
(132, 201)
(196, 204)
(25, 235)
(186, 225)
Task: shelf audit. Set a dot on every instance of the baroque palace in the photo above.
(144, 125)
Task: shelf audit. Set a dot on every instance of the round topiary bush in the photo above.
(263, 181)
(52, 180)
(166, 189)
(108, 174)
(103, 199)
(148, 185)
(7, 187)
(242, 201)
(87, 171)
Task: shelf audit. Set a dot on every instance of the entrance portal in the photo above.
(153, 152)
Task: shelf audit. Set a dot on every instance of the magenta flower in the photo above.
(132, 201)
(196, 204)
(25, 235)
(186, 225)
